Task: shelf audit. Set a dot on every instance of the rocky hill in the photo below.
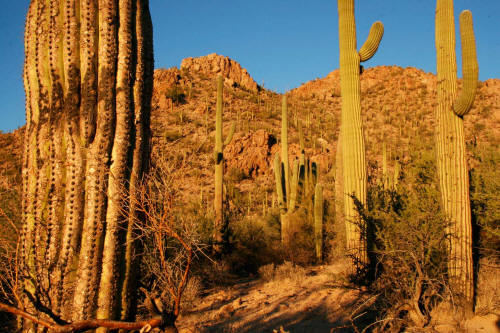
(397, 106)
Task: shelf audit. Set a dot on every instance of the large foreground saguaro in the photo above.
(353, 145)
(450, 141)
(88, 79)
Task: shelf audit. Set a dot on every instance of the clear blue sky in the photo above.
(282, 43)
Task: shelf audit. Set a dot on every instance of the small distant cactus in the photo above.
(353, 149)
(450, 142)
(219, 167)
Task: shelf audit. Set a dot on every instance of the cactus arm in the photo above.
(372, 43)
(318, 220)
(470, 68)
(230, 135)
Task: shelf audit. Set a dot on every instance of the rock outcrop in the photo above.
(217, 64)
(251, 153)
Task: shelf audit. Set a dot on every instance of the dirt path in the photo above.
(300, 300)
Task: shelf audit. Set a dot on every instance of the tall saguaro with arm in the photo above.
(88, 77)
(450, 142)
(353, 146)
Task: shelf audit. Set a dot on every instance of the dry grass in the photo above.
(488, 287)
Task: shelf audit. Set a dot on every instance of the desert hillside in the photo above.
(397, 108)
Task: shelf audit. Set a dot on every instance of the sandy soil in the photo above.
(307, 300)
(314, 299)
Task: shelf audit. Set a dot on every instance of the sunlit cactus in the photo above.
(353, 146)
(219, 166)
(450, 142)
(88, 77)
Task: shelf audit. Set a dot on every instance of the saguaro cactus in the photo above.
(88, 77)
(450, 142)
(219, 166)
(318, 221)
(353, 146)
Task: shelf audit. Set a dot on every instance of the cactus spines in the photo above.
(219, 166)
(450, 143)
(353, 152)
(88, 79)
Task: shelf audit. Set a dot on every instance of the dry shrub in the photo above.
(253, 242)
(266, 272)
(300, 250)
(279, 273)
(488, 291)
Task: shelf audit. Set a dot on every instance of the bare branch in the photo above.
(85, 325)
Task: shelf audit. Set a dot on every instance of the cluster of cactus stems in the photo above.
(353, 150)
(88, 77)
(219, 167)
(297, 186)
(450, 142)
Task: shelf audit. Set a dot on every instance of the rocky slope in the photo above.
(397, 107)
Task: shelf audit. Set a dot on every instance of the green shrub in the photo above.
(485, 206)
(409, 246)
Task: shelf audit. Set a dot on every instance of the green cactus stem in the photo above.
(219, 222)
(450, 143)
(318, 221)
(353, 152)
(88, 77)
(385, 177)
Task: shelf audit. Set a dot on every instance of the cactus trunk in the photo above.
(88, 80)
(450, 143)
(318, 221)
(353, 150)
(219, 165)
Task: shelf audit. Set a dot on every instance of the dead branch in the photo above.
(85, 325)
